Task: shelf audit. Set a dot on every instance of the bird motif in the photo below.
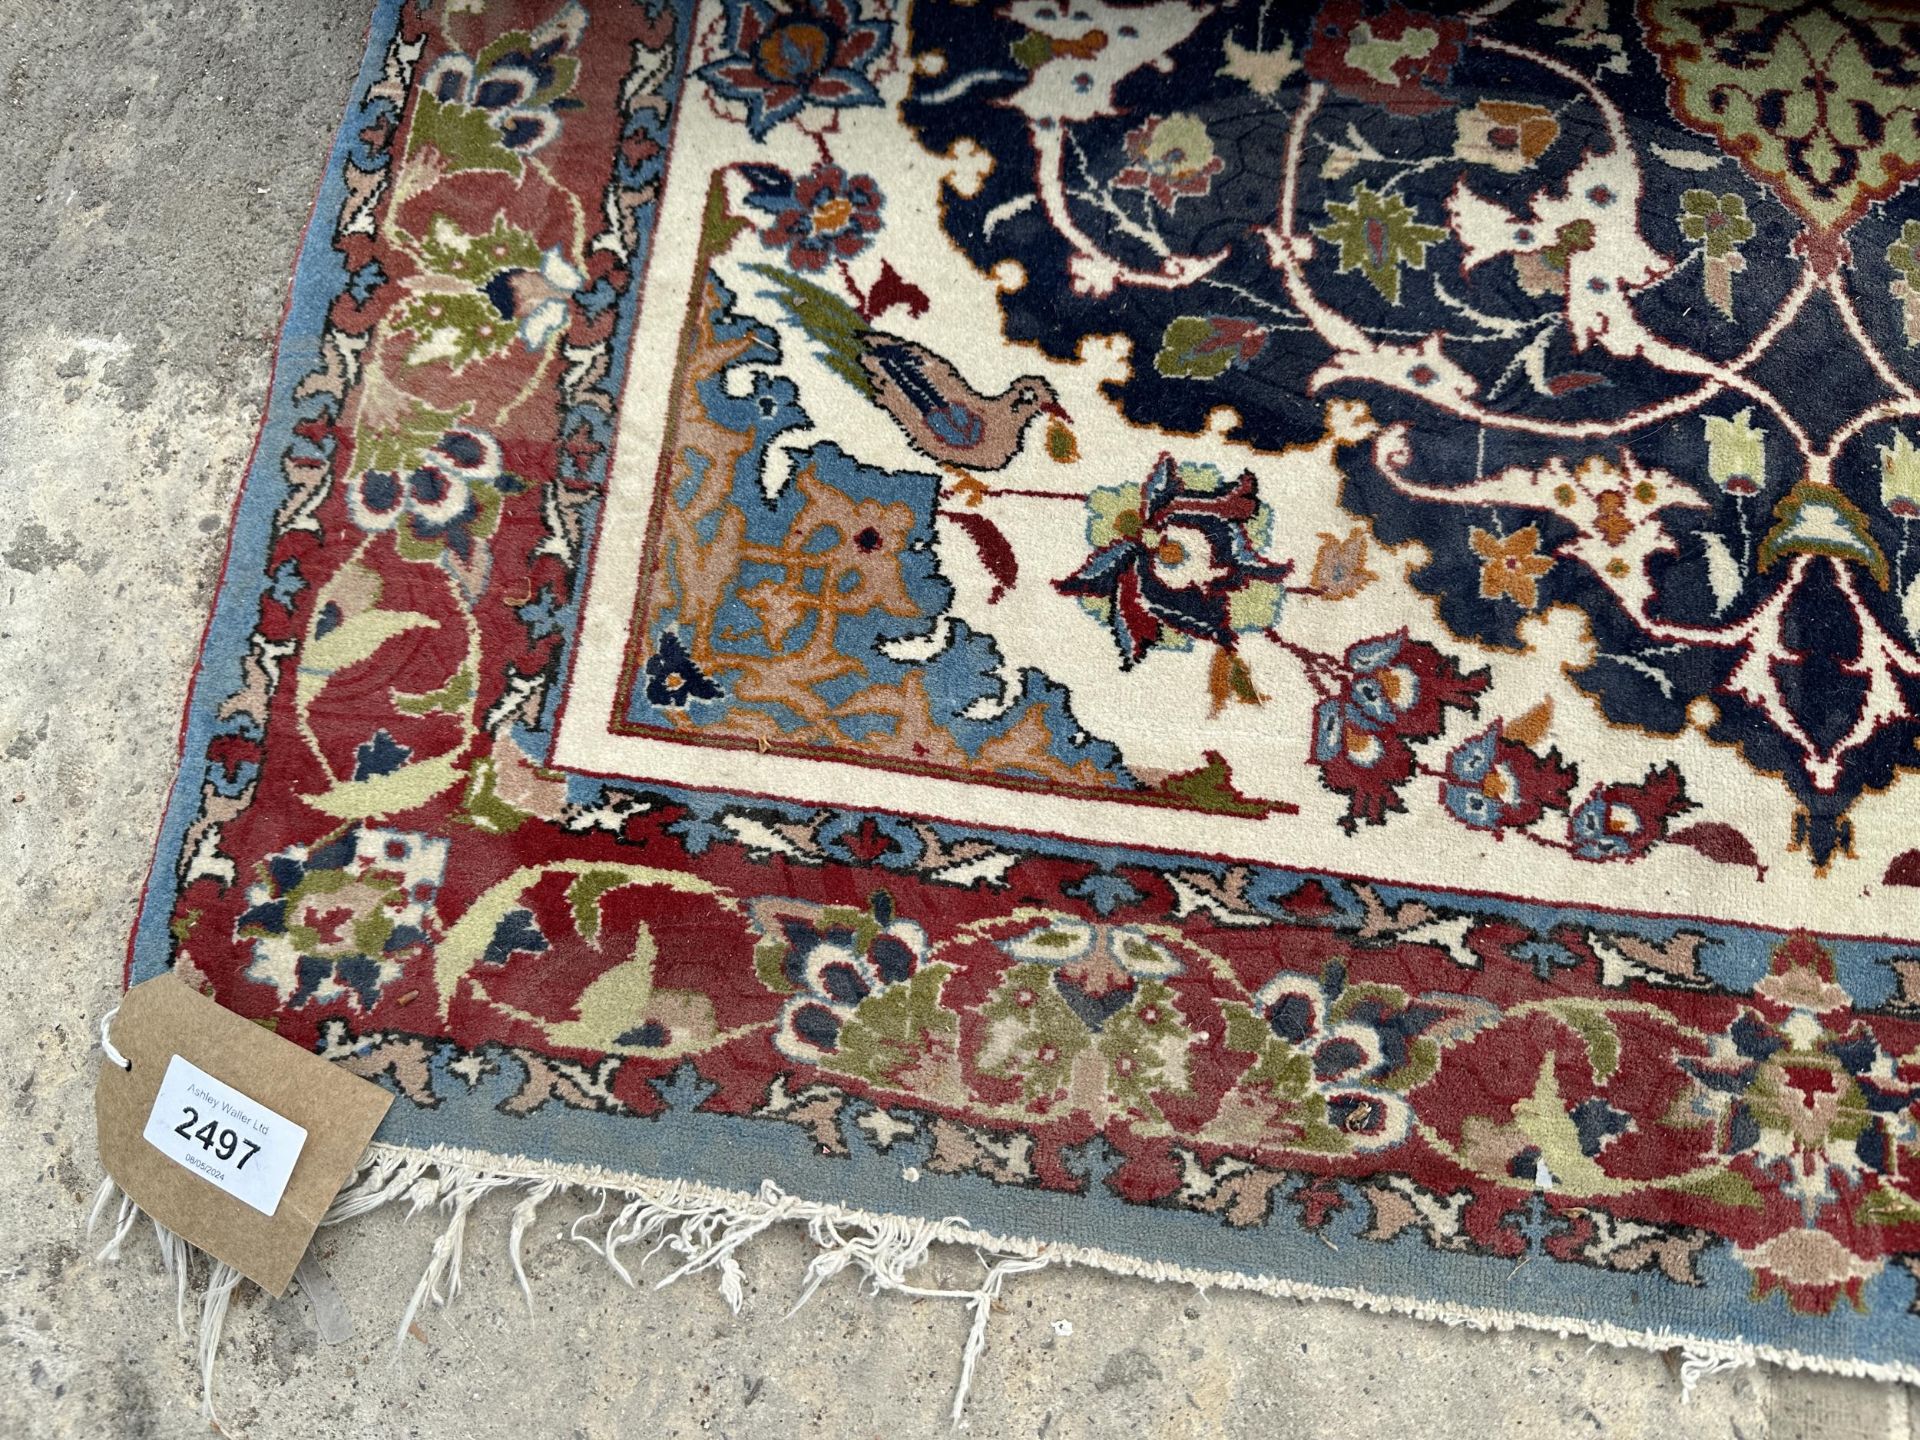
(943, 416)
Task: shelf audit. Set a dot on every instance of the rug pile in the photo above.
(1273, 645)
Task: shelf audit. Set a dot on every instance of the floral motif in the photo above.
(537, 299)
(1393, 690)
(1205, 347)
(1546, 271)
(1622, 822)
(1512, 565)
(1340, 568)
(445, 498)
(1900, 476)
(1509, 135)
(781, 60)
(1169, 157)
(1261, 71)
(1720, 224)
(1098, 958)
(1736, 453)
(1804, 1100)
(505, 103)
(1178, 559)
(1036, 48)
(1333, 1060)
(480, 291)
(822, 217)
(1377, 234)
(1085, 1015)
(338, 919)
(1457, 1081)
(1697, 598)
(1495, 784)
(1850, 141)
(845, 968)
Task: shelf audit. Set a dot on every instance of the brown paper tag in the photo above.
(214, 1115)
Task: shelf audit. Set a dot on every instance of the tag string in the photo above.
(106, 1040)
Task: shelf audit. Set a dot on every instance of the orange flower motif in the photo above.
(1513, 565)
(1611, 518)
(1340, 569)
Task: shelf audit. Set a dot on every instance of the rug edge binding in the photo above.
(706, 1224)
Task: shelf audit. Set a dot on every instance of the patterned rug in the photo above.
(1270, 646)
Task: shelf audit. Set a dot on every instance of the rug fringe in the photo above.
(1699, 1361)
(704, 1229)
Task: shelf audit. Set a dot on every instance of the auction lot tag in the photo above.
(215, 1131)
(231, 1137)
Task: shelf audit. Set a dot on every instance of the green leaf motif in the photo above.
(1904, 254)
(1031, 50)
(463, 135)
(1283, 1076)
(896, 1027)
(508, 42)
(1723, 1187)
(829, 320)
(1034, 1041)
(584, 896)
(449, 250)
(456, 328)
(1245, 1030)
(401, 448)
(481, 806)
(770, 964)
(1590, 1022)
(1377, 234)
(452, 698)
(1884, 1205)
(1054, 940)
(1205, 347)
(1137, 1050)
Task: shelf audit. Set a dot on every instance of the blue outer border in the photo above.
(735, 1153)
(319, 276)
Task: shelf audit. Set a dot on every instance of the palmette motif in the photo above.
(1537, 305)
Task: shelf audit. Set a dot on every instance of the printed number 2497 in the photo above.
(215, 1137)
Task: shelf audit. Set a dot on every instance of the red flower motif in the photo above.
(1367, 765)
(828, 216)
(1623, 822)
(1387, 58)
(1170, 156)
(1395, 690)
(1408, 685)
(1494, 783)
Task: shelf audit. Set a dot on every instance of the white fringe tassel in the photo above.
(213, 1320)
(1698, 1361)
(705, 1229)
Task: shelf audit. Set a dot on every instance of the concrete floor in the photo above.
(159, 161)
